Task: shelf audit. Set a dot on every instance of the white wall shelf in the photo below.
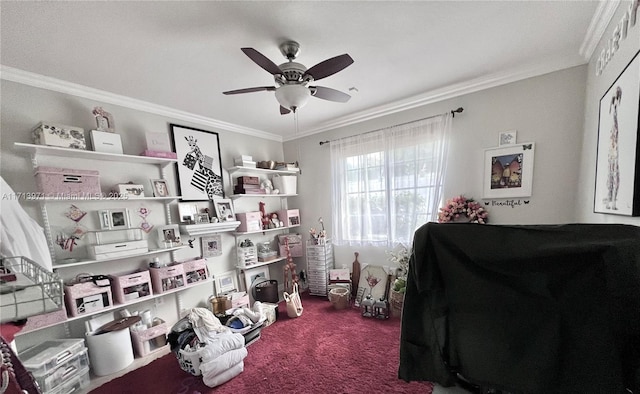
(262, 263)
(37, 197)
(262, 171)
(236, 196)
(87, 154)
(238, 234)
(87, 262)
(118, 306)
(209, 228)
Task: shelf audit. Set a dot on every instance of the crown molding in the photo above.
(442, 94)
(599, 22)
(57, 85)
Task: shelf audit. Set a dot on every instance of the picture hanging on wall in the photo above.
(617, 188)
(508, 171)
(199, 163)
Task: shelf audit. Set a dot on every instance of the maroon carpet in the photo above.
(323, 351)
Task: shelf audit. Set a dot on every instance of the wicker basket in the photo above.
(396, 300)
(339, 298)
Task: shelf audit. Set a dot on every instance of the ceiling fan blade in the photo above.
(284, 111)
(262, 61)
(329, 67)
(329, 94)
(251, 90)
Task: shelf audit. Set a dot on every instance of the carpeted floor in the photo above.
(323, 351)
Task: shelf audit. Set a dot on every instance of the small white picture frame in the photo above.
(169, 236)
(211, 245)
(226, 283)
(160, 187)
(187, 212)
(114, 219)
(508, 138)
(224, 209)
(201, 218)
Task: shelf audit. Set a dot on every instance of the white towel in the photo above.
(216, 380)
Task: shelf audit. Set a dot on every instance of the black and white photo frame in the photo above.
(199, 163)
(114, 219)
(224, 209)
(617, 183)
(211, 245)
(160, 187)
(169, 236)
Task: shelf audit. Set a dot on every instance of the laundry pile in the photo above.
(204, 346)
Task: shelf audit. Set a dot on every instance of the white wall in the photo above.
(547, 110)
(597, 86)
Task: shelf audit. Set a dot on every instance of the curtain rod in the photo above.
(453, 113)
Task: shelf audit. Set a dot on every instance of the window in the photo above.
(388, 182)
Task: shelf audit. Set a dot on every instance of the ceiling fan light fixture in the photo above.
(293, 97)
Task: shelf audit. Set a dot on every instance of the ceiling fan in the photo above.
(293, 79)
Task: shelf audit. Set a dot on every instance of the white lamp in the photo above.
(293, 97)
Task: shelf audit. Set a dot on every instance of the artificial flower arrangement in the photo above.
(461, 207)
(400, 256)
(318, 237)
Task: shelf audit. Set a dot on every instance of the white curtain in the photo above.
(388, 182)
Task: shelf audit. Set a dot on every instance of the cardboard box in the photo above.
(249, 221)
(168, 278)
(68, 182)
(106, 142)
(130, 190)
(59, 135)
(82, 298)
(127, 287)
(158, 142)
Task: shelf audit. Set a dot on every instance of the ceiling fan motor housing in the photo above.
(292, 72)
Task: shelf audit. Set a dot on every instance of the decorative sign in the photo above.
(619, 34)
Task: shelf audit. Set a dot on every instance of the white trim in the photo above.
(599, 22)
(442, 94)
(57, 85)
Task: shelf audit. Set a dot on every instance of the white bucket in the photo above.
(287, 184)
(110, 352)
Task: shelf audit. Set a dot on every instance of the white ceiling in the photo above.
(183, 55)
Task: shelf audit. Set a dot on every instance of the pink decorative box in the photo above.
(157, 153)
(295, 249)
(249, 221)
(290, 217)
(131, 286)
(149, 340)
(195, 270)
(167, 278)
(87, 297)
(61, 182)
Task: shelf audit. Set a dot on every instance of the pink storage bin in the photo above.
(149, 340)
(65, 182)
(249, 221)
(87, 297)
(168, 278)
(290, 217)
(195, 270)
(130, 287)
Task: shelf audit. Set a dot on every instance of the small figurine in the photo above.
(104, 120)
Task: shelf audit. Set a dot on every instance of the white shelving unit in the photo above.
(262, 174)
(163, 165)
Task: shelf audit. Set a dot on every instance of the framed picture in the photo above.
(508, 171)
(224, 209)
(226, 282)
(169, 236)
(114, 219)
(199, 164)
(211, 245)
(250, 275)
(617, 188)
(201, 218)
(187, 212)
(160, 187)
(373, 281)
(507, 138)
